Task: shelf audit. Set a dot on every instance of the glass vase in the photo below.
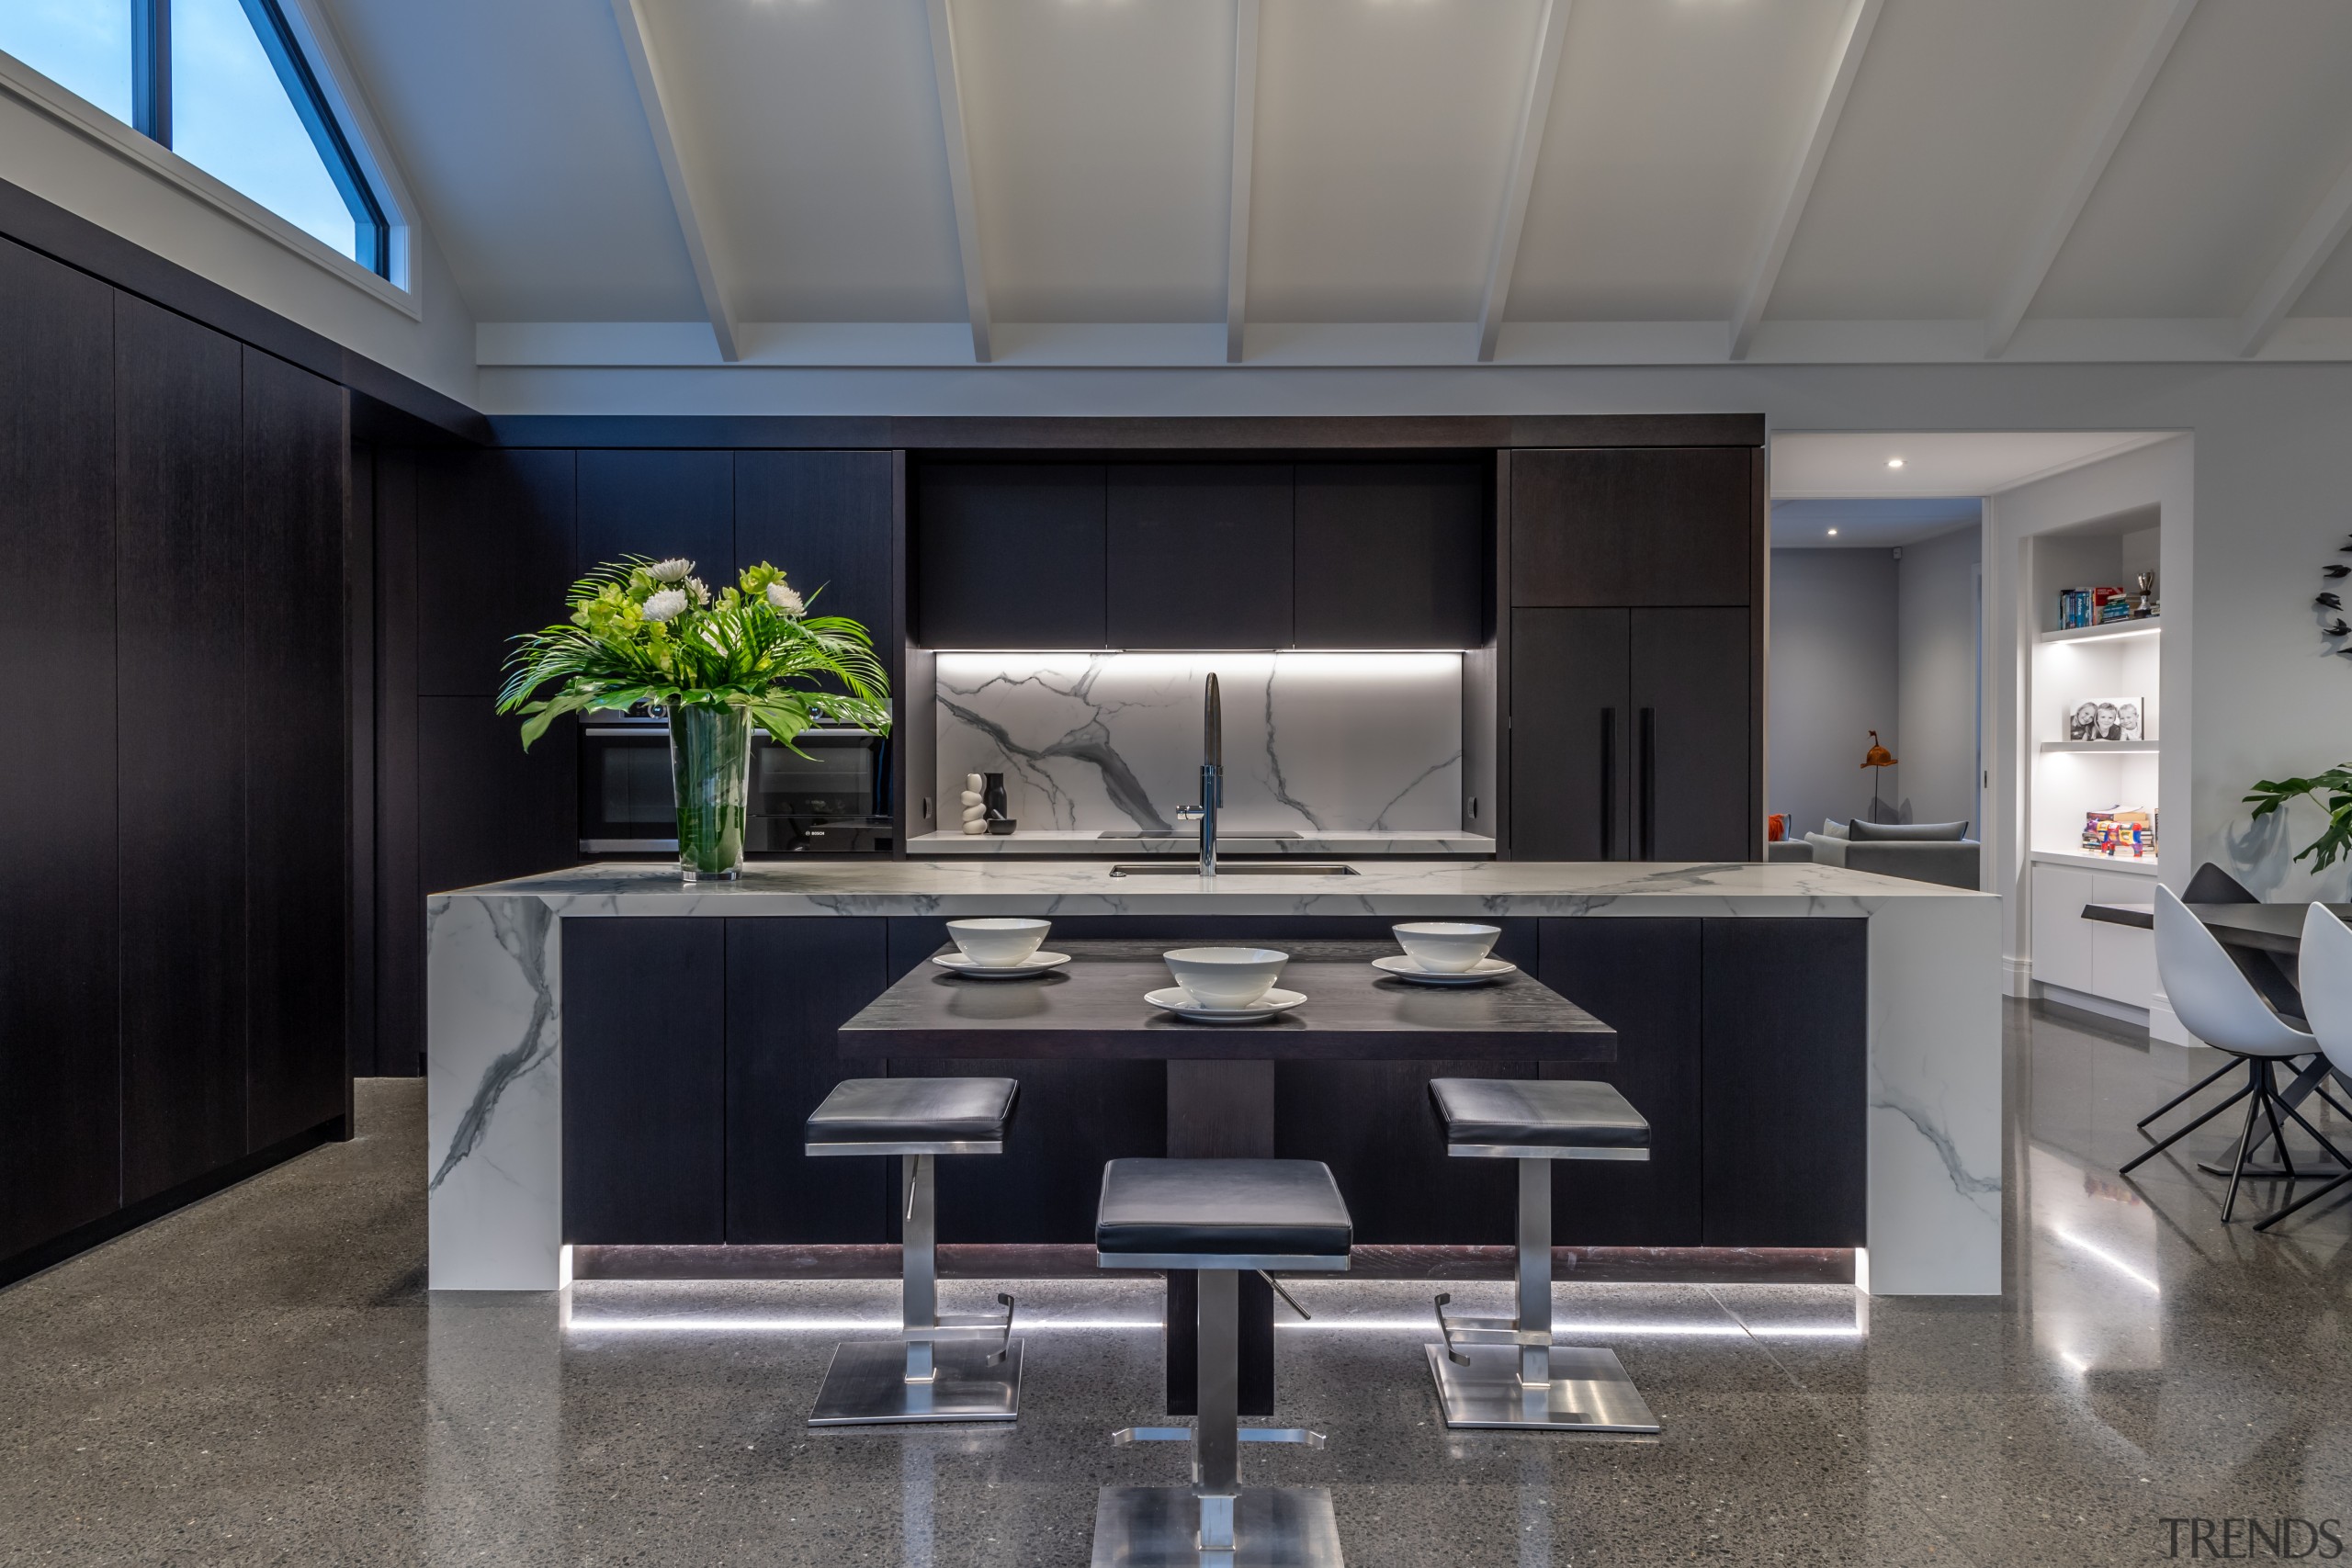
(711, 763)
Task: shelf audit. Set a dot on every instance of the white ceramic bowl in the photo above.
(1226, 976)
(1449, 947)
(999, 943)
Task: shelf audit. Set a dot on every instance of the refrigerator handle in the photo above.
(1648, 800)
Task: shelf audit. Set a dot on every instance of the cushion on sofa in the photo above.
(1906, 832)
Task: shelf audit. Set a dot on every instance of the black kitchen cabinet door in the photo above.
(1640, 976)
(826, 519)
(790, 987)
(59, 1087)
(1787, 1061)
(295, 458)
(1570, 721)
(1652, 526)
(1691, 750)
(1009, 555)
(645, 1015)
(495, 547)
(1201, 556)
(486, 809)
(1389, 555)
(658, 504)
(182, 590)
(1373, 1124)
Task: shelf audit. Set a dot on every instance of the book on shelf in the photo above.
(2099, 606)
(2122, 832)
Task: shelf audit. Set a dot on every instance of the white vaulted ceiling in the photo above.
(2033, 179)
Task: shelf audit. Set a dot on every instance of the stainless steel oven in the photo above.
(832, 800)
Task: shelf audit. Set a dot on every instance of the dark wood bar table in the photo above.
(1221, 1075)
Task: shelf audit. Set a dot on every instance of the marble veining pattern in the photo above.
(1314, 743)
(1934, 1076)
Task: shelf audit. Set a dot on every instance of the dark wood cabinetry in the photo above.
(826, 519)
(60, 1085)
(659, 504)
(1692, 742)
(496, 545)
(1571, 773)
(1200, 556)
(1652, 526)
(644, 1142)
(486, 809)
(294, 452)
(1009, 555)
(1389, 555)
(182, 590)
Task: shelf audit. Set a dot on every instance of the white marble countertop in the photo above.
(982, 887)
(1089, 843)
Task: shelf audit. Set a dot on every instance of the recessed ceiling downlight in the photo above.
(1894, 462)
(1833, 533)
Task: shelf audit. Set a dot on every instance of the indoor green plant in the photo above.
(650, 633)
(2332, 791)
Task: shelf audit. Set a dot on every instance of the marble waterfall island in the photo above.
(1927, 1082)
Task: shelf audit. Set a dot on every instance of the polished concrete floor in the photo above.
(264, 1378)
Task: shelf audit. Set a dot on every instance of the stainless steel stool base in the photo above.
(867, 1385)
(1590, 1393)
(1155, 1526)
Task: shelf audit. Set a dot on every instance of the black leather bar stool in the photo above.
(1220, 1217)
(942, 1367)
(1506, 1372)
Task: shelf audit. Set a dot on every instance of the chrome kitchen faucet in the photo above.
(1212, 779)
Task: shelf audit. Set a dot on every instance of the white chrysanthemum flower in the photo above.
(661, 606)
(699, 589)
(671, 570)
(787, 600)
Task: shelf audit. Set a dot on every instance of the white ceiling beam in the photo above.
(1845, 62)
(1243, 145)
(947, 75)
(645, 67)
(1532, 114)
(2127, 86)
(2279, 293)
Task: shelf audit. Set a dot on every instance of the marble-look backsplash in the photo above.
(1361, 741)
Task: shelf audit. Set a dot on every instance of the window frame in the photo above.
(345, 133)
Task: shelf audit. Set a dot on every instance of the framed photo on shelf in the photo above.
(2107, 718)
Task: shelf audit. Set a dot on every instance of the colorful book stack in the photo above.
(2123, 832)
(2092, 606)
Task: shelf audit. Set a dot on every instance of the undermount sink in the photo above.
(1158, 837)
(1245, 868)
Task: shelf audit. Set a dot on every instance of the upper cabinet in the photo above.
(1200, 556)
(1008, 555)
(825, 518)
(658, 504)
(1390, 555)
(1631, 527)
(497, 539)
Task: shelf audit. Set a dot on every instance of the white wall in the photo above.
(1936, 658)
(94, 181)
(1833, 682)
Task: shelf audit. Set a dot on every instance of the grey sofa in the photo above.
(1926, 852)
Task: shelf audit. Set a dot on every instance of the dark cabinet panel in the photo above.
(1653, 526)
(1009, 555)
(486, 808)
(790, 987)
(399, 891)
(645, 1018)
(1389, 555)
(659, 504)
(826, 518)
(1570, 765)
(1641, 977)
(1691, 750)
(182, 587)
(1200, 556)
(495, 547)
(295, 458)
(1786, 1062)
(1373, 1123)
(59, 1107)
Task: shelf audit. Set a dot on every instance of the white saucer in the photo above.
(1178, 1000)
(1035, 963)
(1404, 966)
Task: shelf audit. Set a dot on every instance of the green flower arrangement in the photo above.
(2335, 786)
(652, 633)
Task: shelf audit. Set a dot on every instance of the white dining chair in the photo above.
(2328, 1006)
(2217, 1003)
